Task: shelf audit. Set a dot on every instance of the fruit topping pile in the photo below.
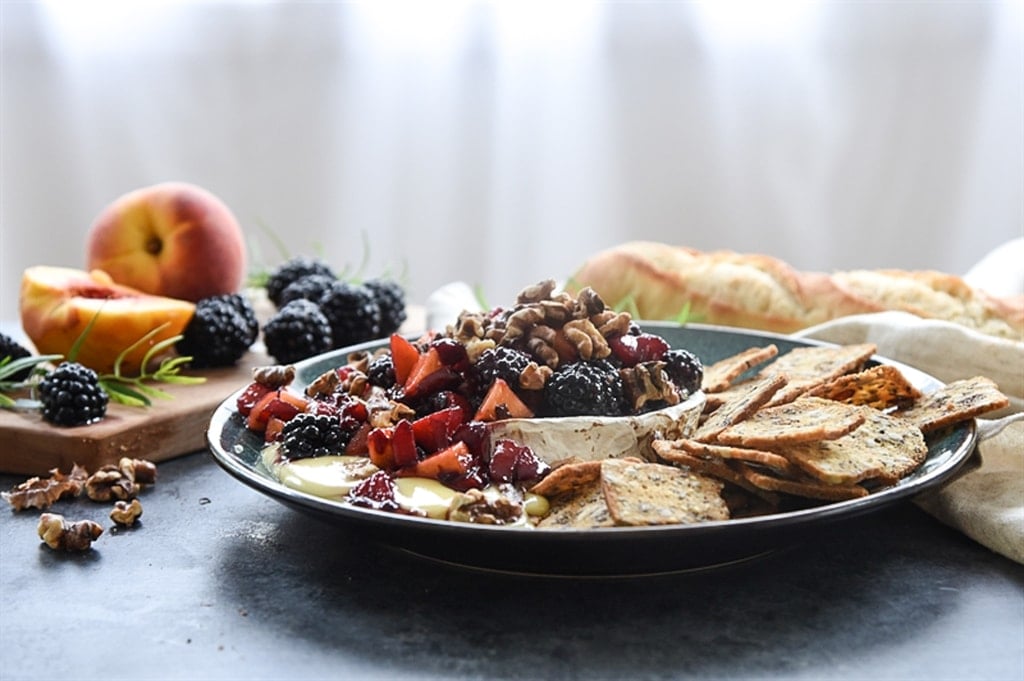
(422, 408)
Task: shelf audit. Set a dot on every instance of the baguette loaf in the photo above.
(762, 292)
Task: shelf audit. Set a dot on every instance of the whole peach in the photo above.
(171, 239)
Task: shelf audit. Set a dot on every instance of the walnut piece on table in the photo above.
(60, 535)
(122, 481)
(126, 512)
(41, 493)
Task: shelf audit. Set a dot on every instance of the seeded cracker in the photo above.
(884, 447)
(722, 373)
(804, 420)
(880, 387)
(567, 479)
(800, 488)
(654, 494)
(740, 405)
(808, 367)
(713, 466)
(955, 402)
(712, 451)
(582, 510)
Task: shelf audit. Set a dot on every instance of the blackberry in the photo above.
(15, 350)
(584, 389)
(685, 369)
(352, 312)
(297, 331)
(220, 331)
(71, 396)
(306, 435)
(381, 371)
(498, 362)
(309, 287)
(245, 308)
(292, 270)
(390, 298)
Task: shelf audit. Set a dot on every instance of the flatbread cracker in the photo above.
(568, 478)
(724, 372)
(655, 494)
(808, 367)
(954, 402)
(716, 468)
(881, 387)
(804, 420)
(741, 405)
(759, 456)
(798, 488)
(883, 447)
(583, 510)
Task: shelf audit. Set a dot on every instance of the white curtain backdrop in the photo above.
(501, 143)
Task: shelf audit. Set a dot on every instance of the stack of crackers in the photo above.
(816, 424)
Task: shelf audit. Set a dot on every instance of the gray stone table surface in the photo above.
(220, 582)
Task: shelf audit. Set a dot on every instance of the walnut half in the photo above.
(126, 513)
(61, 535)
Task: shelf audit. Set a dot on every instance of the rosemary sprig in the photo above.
(10, 368)
(133, 390)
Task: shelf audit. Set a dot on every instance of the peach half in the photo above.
(57, 304)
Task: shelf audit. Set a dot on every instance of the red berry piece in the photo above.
(645, 347)
(513, 462)
(376, 491)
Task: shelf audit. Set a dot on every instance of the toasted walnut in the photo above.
(42, 493)
(521, 321)
(587, 340)
(536, 292)
(473, 506)
(468, 326)
(110, 482)
(360, 360)
(476, 347)
(556, 312)
(64, 536)
(275, 376)
(648, 382)
(541, 342)
(388, 414)
(324, 384)
(534, 376)
(589, 303)
(126, 513)
(611, 324)
(141, 471)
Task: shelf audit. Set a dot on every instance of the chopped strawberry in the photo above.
(404, 355)
(403, 444)
(451, 461)
(250, 396)
(513, 462)
(376, 491)
(283, 403)
(378, 443)
(501, 402)
(436, 431)
(632, 350)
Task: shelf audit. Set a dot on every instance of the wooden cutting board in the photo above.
(167, 429)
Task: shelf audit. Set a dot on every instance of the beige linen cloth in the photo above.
(987, 501)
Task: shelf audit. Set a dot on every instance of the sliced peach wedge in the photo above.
(57, 305)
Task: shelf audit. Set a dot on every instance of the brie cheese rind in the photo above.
(593, 438)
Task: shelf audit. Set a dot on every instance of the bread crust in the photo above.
(758, 291)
